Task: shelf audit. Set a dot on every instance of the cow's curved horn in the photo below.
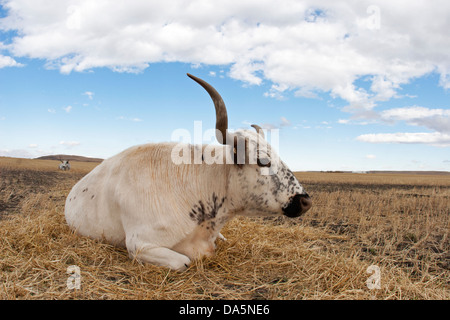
(221, 110)
(259, 130)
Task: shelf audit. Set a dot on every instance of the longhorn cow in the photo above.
(64, 165)
(168, 213)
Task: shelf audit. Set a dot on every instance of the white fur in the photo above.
(141, 200)
(64, 165)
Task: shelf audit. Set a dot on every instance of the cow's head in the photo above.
(262, 184)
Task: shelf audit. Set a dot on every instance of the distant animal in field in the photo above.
(167, 212)
(64, 165)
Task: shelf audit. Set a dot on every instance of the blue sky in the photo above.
(349, 86)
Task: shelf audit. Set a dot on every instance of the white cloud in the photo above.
(284, 122)
(414, 112)
(276, 91)
(370, 156)
(295, 47)
(67, 109)
(270, 126)
(51, 110)
(435, 119)
(32, 145)
(15, 153)
(6, 61)
(134, 119)
(433, 138)
(304, 47)
(69, 143)
(358, 120)
(89, 94)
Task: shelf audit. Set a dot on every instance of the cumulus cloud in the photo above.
(285, 122)
(433, 138)
(134, 119)
(67, 109)
(300, 47)
(6, 61)
(16, 153)
(271, 126)
(69, 143)
(435, 119)
(89, 94)
(304, 47)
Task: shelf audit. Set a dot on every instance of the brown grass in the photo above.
(399, 223)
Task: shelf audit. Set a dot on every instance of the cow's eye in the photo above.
(263, 162)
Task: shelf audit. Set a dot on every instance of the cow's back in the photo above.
(141, 185)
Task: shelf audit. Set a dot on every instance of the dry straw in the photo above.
(398, 223)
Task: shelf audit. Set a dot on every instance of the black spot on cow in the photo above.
(257, 199)
(86, 189)
(276, 184)
(202, 212)
(92, 197)
(261, 182)
(283, 181)
(210, 225)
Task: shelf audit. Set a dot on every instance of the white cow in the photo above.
(168, 213)
(64, 165)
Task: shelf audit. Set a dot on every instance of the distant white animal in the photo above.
(64, 165)
(167, 213)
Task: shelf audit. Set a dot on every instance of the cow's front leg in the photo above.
(159, 256)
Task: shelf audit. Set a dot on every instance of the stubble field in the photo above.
(394, 226)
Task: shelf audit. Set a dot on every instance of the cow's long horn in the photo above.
(259, 130)
(221, 110)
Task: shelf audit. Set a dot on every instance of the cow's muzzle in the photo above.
(299, 204)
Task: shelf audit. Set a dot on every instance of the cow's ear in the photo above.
(263, 162)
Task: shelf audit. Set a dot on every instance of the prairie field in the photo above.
(393, 227)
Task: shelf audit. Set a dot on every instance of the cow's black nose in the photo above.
(305, 202)
(299, 204)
